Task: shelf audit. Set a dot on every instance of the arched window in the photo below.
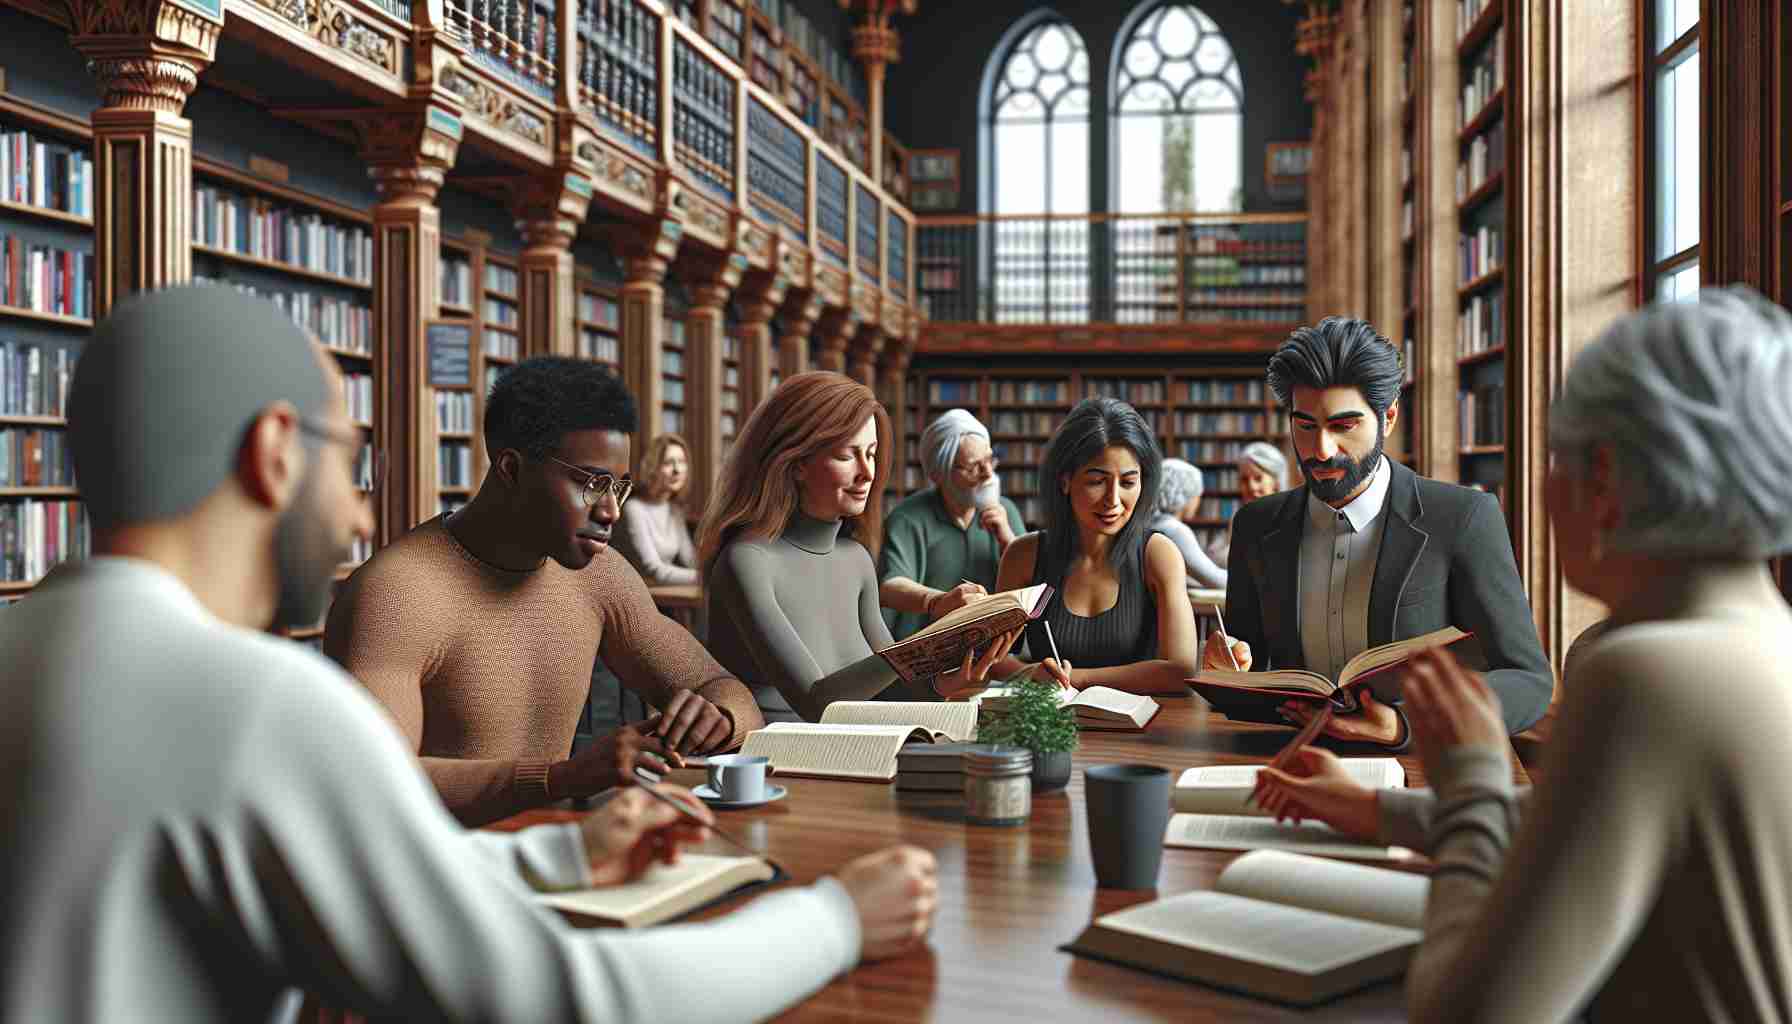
(1036, 161)
(1178, 115)
(1036, 118)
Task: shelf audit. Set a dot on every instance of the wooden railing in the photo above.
(520, 39)
(1113, 268)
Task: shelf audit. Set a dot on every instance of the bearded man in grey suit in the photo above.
(1368, 552)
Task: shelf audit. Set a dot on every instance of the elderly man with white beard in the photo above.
(943, 543)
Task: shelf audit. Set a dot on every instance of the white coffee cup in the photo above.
(738, 778)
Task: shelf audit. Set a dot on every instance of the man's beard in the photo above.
(985, 494)
(306, 559)
(1355, 471)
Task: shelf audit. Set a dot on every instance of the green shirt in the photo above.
(922, 543)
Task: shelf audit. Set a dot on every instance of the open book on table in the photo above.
(1249, 832)
(1254, 696)
(664, 892)
(863, 753)
(954, 721)
(1226, 788)
(1098, 708)
(942, 645)
(1297, 929)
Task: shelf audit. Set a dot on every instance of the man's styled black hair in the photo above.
(1338, 352)
(538, 401)
(1093, 426)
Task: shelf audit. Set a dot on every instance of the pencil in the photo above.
(1222, 617)
(648, 781)
(1053, 643)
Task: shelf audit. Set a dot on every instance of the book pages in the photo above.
(836, 751)
(664, 891)
(1226, 788)
(1286, 938)
(1243, 832)
(1349, 890)
(956, 720)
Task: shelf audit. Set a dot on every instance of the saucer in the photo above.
(709, 796)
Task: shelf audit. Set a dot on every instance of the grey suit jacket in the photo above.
(1445, 560)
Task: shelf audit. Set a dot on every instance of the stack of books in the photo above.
(931, 767)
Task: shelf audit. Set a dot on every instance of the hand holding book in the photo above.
(972, 677)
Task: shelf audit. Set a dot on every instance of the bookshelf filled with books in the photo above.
(600, 325)
(46, 296)
(1484, 286)
(672, 373)
(732, 413)
(1205, 415)
(311, 257)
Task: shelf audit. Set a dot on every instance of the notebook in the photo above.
(664, 892)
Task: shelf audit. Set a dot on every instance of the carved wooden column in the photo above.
(877, 45)
(147, 57)
(833, 334)
(646, 252)
(801, 312)
(408, 152)
(549, 211)
(893, 378)
(866, 345)
(712, 278)
(758, 298)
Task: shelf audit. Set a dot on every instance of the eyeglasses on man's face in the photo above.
(599, 484)
(975, 470)
(370, 465)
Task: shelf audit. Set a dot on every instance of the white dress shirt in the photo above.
(1338, 551)
(198, 816)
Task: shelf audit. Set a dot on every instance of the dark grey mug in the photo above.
(1128, 806)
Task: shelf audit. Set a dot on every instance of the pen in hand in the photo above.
(1221, 616)
(649, 783)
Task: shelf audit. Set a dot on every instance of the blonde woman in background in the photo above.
(654, 536)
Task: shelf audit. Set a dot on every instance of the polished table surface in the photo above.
(1011, 896)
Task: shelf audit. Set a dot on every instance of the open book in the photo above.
(1297, 929)
(1226, 788)
(941, 646)
(1254, 696)
(947, 720)
(865, 753)
(1098, 708)
(1246, 832)
(664, 892)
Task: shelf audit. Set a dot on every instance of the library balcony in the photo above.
(1221, 279)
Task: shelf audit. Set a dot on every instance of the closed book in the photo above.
(933, 757)
(930, 782)
(1295, 929)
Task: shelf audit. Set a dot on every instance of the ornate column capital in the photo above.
(550, 207)
(147, 55)
(646, 249)
(875, 41)
(409, 149)
(712, 277)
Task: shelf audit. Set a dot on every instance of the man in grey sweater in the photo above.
(199, 816)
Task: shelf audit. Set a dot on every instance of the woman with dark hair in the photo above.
(654, 537)
(1119, 610)
(787, 551)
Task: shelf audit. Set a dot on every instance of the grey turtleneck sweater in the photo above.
(797, 618)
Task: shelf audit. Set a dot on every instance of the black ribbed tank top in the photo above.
(1124, 634)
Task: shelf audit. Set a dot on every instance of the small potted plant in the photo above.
(1033, 717)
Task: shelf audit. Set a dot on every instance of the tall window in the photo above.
(1036, 116)
(1039, 122)
(1179, 116)
(1673, 148)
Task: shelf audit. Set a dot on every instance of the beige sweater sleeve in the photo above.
(1523, 925)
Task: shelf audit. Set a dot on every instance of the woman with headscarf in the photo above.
(1179, 499)
(1646, 877)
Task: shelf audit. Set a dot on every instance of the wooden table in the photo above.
(681, 602)
(1011, 896)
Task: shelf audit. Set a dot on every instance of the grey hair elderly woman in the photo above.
(1178, 499)
(1262, 471)
(1649, 874)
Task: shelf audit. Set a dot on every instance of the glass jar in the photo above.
(998, 786)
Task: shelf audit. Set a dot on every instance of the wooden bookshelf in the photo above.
(46, 201)
(600, 325)
(1413, 158)
(1205, 415)
(1485, 113)
(672, 374)
(732, 413)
